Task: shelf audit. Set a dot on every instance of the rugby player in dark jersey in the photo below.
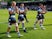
(12, 10)
(40, 16)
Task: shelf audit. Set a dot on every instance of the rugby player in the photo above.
(22, 15)
(40, 16)
(12, 10)
(25, 10)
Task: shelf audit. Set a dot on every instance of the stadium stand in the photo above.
(30, 4)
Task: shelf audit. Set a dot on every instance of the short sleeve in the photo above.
(9, 9)
(39, 10)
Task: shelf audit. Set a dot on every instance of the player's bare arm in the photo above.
(26, 9)
(17, 10)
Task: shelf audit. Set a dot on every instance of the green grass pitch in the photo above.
(32, 34)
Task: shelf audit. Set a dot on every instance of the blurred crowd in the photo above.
(30, 6)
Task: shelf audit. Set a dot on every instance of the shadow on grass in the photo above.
(2, 36)
(21, 30)
(27, 28)
(47, 24)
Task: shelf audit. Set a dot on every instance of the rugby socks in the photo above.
(35, 25)
(18, 33)
(23, 26)
(8, 33)
(42, 27)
